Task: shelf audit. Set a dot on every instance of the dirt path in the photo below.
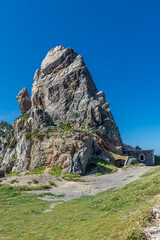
(93, 184)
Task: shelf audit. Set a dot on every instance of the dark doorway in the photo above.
(142, 158)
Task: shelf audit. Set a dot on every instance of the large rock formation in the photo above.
(65, 97)
(64, 90)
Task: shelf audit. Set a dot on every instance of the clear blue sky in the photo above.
(120, 43)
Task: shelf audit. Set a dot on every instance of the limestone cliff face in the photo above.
(5, 133)
(66, 121)
(64, 90)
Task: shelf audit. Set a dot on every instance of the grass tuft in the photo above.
(56, 171)
(73, 177)
(14, 174)
(36, 171)
(134, 165)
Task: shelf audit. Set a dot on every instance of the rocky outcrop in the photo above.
(66, 121)
(64, 90)
(5, 135)
(24, 101)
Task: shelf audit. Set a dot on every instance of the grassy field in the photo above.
(112, 215)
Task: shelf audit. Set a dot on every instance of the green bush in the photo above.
(13, 181)
(28, 135)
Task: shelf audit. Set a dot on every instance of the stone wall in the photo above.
(142, 156)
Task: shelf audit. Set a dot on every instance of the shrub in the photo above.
(13, 181)
(48, 136)
(28, 135)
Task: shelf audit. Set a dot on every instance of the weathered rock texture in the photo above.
(64, 90)
(65, 97)
(24, 100)
(5, 135)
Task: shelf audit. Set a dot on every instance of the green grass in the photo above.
(111, 215)
(73, 177)
(13, 174)
(67, 128)
(150, 172)
(102, 166)
(114, 154)
(134, 165)
(36, 171)
(24, 116)
(56, 171)
(24, 187)
(51, 194)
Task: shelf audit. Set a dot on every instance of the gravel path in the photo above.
(93, 184)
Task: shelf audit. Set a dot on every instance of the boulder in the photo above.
(24, 101)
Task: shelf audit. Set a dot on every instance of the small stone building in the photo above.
(142, 156)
